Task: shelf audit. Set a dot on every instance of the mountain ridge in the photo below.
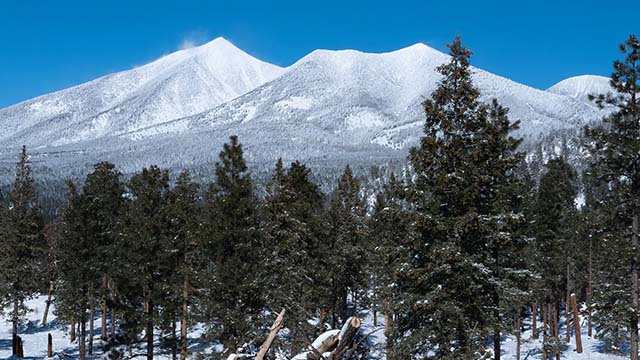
(329, 106)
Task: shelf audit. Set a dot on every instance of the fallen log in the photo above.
(275, 329)
(347, 337)
(326, 342)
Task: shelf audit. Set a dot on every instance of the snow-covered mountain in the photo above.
(328, 108)
(580, 87)
(181, 84)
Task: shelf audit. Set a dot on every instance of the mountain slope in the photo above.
(328, 108)
(348, 104)
(180, 84)
(580, 87)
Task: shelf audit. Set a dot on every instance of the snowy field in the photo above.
(34, 337)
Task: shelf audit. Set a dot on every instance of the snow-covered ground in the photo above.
(34, 336)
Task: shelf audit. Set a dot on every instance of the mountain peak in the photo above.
(219, 43)
(580, 87)
(412, 52)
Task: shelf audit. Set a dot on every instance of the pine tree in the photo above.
(230, 230)
(183, 214)
(5, 242)
(346, 216)
(607, 295)
(144, 238)
(615, 150)
(103, 194)
(76, 258)
(555, 233)
(390, 234)
(457, 273)
(24, 248)
(291, 237)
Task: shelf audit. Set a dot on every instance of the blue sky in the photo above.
(50, 45)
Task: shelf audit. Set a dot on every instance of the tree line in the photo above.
(452, 254)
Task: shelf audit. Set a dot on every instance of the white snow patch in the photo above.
(364, 119)
(295, 102)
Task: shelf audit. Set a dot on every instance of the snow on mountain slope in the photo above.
(183, 83)
(580, 87)
(328, 108)
(336, 100)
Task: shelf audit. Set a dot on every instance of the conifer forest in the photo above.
(470, 248)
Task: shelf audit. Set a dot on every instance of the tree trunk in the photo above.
(72, 336)
(545, 321)
(19, 347)
(323, 313)
(590, 290)
(576, 323)
(633, 329)
(375, 316)
(295, 339)
(388, 319)
(556, 329)
(47, 304)
(174, 340)
(113, 323)
(149, 329)
(354, 296)
(103, 334)
(518, 335)
(83, 336)
(567, 312)
(14, 319)
(496, 344)
(534, 320)
(184, 320)
(92, 313)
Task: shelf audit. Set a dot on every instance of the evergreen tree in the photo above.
(291, 236)
(144, 246)
(607, 294)
(5, 242)
(346, 247)
(102, 194)
(230, 230)
(76, 261)
(182, 268)
(24, 248)
(615, 150)
(390, 234)
(555, 232)
(457, 275)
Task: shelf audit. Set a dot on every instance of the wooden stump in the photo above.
(49, 345)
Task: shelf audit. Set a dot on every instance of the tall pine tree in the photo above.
(615, 150)
(182, 269)
(144, 241)
(24, 248)
(555, 233)
(291, 229)
(230, 229)
(347, 232)
(103, 194)
(456, 276)
(76, 257)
